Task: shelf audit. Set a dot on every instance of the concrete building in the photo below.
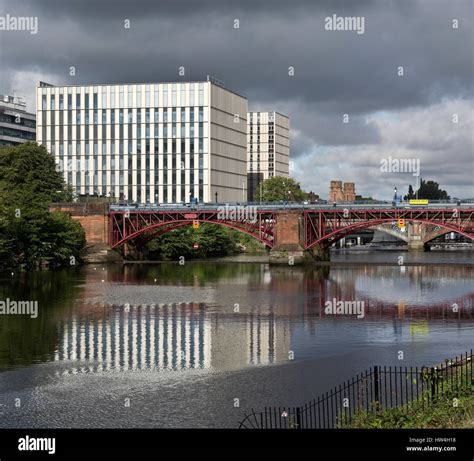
(157, 143)
(16, 124)
(268, 148)
(339, 192)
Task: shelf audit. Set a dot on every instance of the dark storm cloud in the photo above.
(335, 72)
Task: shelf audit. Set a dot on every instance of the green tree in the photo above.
(428, 190)
(212, 240)
(30, 234)
(278, 189)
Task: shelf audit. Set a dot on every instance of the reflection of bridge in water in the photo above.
(168, 337)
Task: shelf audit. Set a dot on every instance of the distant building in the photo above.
(339, 192)
(157, 142)
(16, 124)
(268, 148)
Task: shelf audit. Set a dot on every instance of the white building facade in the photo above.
(156, 143)
(268, 148)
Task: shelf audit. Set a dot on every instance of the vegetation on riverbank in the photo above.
(212, 241)
(31, 236)
(453, 407)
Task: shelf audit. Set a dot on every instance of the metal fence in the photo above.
(376, 389)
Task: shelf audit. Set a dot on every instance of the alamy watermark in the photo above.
(348, 23)
(400, 165)
(237, 213)
(12, 307)
(19, 23)
(341, 307)
(28, 443)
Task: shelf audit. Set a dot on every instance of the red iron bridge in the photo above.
(293, 232)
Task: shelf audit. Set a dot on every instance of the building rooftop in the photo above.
(209, 78)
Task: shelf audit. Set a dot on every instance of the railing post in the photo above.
(376, 384)
(298, 418)
(433, 383)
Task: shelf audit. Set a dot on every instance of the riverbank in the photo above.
(346, 258)
(440, 415)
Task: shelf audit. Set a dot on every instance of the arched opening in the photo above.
(163, 228)
(332, 237)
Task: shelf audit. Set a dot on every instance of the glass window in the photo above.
(61, 102)
(138, 101)
(69, 102)
(174, 94)
(43, 102)
(201, 94)
(183, 115)
(52, 102)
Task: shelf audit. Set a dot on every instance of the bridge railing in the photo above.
(285, 205)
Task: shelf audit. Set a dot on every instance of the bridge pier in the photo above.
(289, 237)
(415, 237)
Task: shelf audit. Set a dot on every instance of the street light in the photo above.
(394, 201)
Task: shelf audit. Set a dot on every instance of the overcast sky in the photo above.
(335, 73)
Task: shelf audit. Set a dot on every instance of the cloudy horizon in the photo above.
(405, 83)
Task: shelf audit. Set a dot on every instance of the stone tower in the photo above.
(349, 191)
(335, 192)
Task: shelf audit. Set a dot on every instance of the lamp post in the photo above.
(394, 201)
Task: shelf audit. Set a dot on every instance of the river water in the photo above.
(164, 345)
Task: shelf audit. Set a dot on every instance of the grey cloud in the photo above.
(335, 72)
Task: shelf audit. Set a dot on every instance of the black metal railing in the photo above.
(376, 389)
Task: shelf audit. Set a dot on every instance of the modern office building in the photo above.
(16, 124)
(157, 143)
(268, 148)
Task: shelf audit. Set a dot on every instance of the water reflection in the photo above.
(167, 337)
(226, 317)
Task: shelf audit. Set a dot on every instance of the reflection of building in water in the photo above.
(254, 339)
(139, 338)
(170, 337)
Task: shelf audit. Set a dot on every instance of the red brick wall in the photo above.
(288, 228)
(92, 217)
(96, 227)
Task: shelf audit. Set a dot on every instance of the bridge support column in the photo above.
(415, 237)
(289, 236)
